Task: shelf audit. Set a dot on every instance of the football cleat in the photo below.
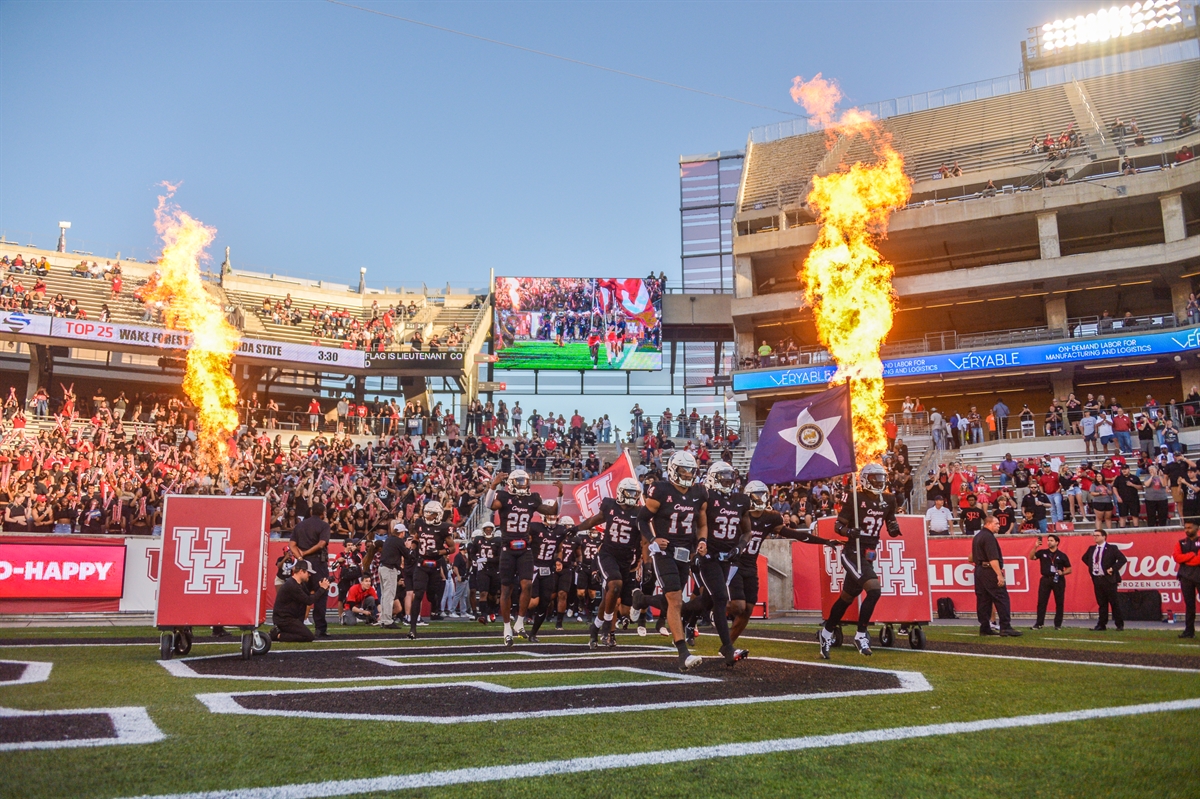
(642, 630)
(481, 618)
(623, 623)
(593, 637)
(689, 634)
(637, 598)
(863, 642)
(533, 639)
(740, 654)
(690, 662)
(663, 631)
(729, 653)
(521, 632)
(825, 637)
(635, 612)
(558, 625)
(412, 636)
(508, 640)
(610, 641)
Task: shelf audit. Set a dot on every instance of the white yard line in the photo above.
(1056, 638)
(132, 725)
(547, 768)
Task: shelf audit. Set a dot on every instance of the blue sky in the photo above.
(318, 139)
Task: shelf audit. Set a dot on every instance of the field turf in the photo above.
(1149, 754)
(573, 355)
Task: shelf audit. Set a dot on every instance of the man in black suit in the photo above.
(1104, 562)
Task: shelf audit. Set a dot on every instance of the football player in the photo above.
(486, 559)
(587, 548)
(517, 503)
(862, 520)
(432, 543)
(618, 554)
(548, 536)
(564, 575)
(675, 527)
(743, 573)
(728, 523)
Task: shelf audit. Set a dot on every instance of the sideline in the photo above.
(433, 779)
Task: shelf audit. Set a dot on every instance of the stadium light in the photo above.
(1108, 24)
(63, 227)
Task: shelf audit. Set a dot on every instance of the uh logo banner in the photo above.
(213, 565)
(901, 565)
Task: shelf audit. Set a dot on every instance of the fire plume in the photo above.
(208, 381)
(847, 283)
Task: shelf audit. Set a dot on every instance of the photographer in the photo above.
(291, 605)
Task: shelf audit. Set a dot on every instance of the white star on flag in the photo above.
(803, 455)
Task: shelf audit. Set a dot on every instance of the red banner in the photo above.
(62, 571)
(590, 493)
(213, 565)
(952, 574)
(899, 564)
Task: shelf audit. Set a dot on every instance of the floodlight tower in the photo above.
(63, 227)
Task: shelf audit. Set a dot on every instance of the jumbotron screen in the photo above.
(578, 323)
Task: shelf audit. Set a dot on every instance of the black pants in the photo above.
(1156, 512)
(424, 584)
(292, 630)
(1190, 587)
(320, 600)
(989, 592)
(1106, 594)
(1045, 588)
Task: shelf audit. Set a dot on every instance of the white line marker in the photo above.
(132, 725)
(433, 779)
(1055, 638)
(35, 671)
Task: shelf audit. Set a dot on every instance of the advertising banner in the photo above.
(54, 569)
(1140, 344)
(900, 566)
(20, 323)
(141, 574)
(79, 332)
(213, 564)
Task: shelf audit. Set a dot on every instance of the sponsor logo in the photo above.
(957, 575)
(212, 570)
(57, 570)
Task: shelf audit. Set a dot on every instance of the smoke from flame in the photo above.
(208, 381)
(847, 283)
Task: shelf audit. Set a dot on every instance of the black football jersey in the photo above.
(516, 514)
(874, 512)
(546, 539)
(725, 513)
(677, 512)
(487, 556)
(589, 547)
(760, 528)
(430, 538)
(566, 551)
(621, 536)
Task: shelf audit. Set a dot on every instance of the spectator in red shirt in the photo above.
(314, 414)
(1122, 425)
(362, 603)
(1048, 480)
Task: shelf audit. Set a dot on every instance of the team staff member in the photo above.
(1055, 566)
(989, 580)
(310, 540)
(291, 604)
(1105, 563)
(390, 562)
(1187, 555)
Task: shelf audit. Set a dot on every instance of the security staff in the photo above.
(989, 580)
(1187, 555)
(391, 561)
(291, 605)
(311, 538)
(1105, 562)
(1055, 566)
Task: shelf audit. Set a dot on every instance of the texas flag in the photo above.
(806, 439)
(589, 494)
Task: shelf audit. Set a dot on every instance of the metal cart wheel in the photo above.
(887, 636)
(166, 645)
(916, 637)
(837, 635)
(183, 641)
(247, 645)
(262, 643)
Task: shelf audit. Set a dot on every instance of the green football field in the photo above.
(1074, 713)
(573, 355)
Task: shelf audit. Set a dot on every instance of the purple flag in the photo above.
(806, 439)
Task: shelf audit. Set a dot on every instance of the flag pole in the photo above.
(854, 486)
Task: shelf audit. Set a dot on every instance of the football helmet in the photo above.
(681, 469)
(433, 511)
(759, 494)
(518, 482)
(721, 477)
(874, 478)
(629, 492)
(566, 521)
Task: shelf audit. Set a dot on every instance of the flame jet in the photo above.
(847, 283)
(208, 381)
